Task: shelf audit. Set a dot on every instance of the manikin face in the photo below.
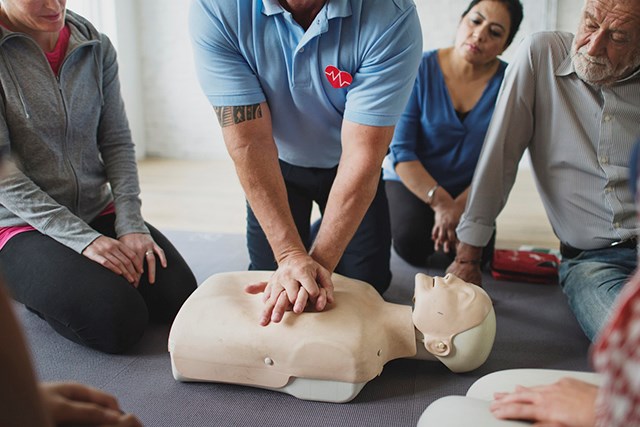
(483, 32)
(445, 307)
(607, 45)
(34, 17)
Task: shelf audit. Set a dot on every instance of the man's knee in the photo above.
(592, 277)
(591, 288)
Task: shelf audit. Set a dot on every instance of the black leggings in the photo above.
(84, 301)
(411, 223)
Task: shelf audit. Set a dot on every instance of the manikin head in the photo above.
(607, 44)
(457, 320)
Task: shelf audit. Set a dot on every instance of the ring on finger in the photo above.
(149, 252)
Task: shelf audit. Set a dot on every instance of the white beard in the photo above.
(599, 71)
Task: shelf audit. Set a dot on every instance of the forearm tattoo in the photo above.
(228, 116)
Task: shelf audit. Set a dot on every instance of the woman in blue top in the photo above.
(437, 142)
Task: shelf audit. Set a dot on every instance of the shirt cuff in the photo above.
(372, 119)
(404, 156)
(474, 233)
(236, 99)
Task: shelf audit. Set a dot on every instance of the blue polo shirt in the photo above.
(251, 51)
(431, 132)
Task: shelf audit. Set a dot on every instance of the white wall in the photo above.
(178, 120)
(119, 20)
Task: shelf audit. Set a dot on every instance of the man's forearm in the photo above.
(348, 202)
(261, 179)
(252, 148)
(355, 186)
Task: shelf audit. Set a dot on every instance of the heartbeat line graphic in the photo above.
(337, 78)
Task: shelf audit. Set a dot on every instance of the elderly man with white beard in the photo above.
(574, 102)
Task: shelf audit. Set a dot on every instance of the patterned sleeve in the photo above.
(616, 354)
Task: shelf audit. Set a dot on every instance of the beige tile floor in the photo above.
(205, 195)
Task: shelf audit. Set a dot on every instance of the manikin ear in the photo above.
(438, 347)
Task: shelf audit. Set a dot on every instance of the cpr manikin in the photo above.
(329, 355)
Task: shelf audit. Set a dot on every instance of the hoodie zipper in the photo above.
(63, 101)
(67, 119)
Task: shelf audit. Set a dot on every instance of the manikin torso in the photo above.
(328, 355)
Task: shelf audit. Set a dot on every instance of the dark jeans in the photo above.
(411, 223)
(367, 255)
(85, 302)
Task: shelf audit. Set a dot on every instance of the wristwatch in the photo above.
(431, 193)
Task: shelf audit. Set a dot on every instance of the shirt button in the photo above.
(301, 50)
(616, 225)
(607, 118)
(604, 160)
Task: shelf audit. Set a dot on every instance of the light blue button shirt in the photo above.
(251, 51)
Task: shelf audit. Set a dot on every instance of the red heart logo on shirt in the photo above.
(338, 79)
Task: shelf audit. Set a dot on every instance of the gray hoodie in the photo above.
(68, 137)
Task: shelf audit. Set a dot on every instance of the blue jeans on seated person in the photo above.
(367, 255)
(592, 281)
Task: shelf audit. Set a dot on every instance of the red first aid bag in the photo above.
(524, 266)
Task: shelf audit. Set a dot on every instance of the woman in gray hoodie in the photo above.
(73, 244)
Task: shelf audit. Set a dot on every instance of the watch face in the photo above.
(431, 193)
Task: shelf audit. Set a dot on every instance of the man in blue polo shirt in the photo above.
(307, 93)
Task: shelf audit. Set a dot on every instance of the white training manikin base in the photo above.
(325, 356)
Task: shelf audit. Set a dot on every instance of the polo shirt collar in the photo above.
(271, 7)
(334, 8)
(338, 8)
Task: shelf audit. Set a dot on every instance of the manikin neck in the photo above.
(398, 325)
(421, 351)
